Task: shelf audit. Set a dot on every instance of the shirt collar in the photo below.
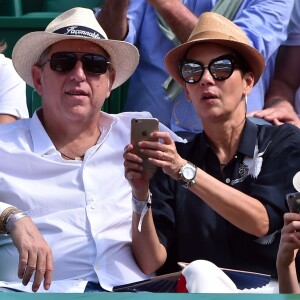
(247, 142)
(248, 139)
(42, 143)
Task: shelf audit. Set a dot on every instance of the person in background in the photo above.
(65, 210)
(282, 103)
(156, 26)
(13, 103)
(286, 257)
(221, 196)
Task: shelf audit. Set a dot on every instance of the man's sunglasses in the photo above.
(66, 61)
(220, 68)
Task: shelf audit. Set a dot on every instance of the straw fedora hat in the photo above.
(76, 23)
(215, 28)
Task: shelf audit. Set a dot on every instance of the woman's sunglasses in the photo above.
(220, 68)
(66, 61)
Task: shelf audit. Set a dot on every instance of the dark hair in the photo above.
(244, 66)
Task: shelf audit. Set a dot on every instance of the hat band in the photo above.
(80, 31)
(212, 35)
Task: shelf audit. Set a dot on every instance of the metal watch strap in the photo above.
(184, 182)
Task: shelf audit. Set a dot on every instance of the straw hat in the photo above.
(214, 28)
(76, 23)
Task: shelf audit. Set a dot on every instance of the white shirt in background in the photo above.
(12, 90)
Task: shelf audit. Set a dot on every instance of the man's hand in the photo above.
(35, 256)
(115, 10)
(278, 115)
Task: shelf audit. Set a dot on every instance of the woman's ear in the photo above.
(187, 95)
(248, 82)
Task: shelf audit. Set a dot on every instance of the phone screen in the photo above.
(141, 128)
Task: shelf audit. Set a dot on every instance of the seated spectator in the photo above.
(286, 257)
(282, 104)
(65, 203)
(221, 196)
(13, 103)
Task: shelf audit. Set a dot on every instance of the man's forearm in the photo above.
(286, 77)
(279, 92)
(113, 18)
(178, 17)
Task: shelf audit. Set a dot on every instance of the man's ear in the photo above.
(111, 79)
(36, 77)
(110, 82)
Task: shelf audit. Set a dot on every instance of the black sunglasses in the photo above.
(220, 68)
(66, 61)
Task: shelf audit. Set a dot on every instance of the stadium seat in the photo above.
(11, 8)
(63, 5)
(52, 8)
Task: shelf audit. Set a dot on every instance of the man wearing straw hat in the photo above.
(65, 210)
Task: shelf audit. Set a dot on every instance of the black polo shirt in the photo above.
(265, 163)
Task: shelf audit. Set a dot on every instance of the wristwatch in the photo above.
(187, 174)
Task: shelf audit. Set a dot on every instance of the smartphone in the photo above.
(141, 128)
(293, 201)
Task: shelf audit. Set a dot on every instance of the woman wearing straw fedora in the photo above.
(218, 200)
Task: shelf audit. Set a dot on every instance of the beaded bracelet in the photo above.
(141, 208)
(9, 214)
(5, 215)
(13, 219)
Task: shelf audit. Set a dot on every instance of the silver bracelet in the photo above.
(13, 219)
(141, 208)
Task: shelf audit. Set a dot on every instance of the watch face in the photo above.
(188, 173)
